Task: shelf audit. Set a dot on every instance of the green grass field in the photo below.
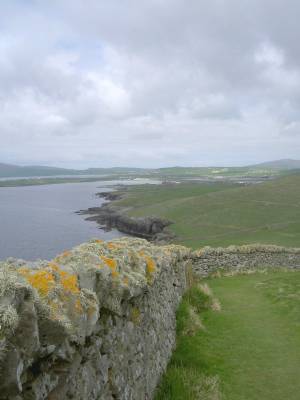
(222, 214)
(249, 350)
(254, 171)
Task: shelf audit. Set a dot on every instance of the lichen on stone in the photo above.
(92, 308)
(8, 319)
(135, 315)
(245, 249)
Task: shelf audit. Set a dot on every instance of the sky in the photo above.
(149, 83)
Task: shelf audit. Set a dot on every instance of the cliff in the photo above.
(109, 216)
(97, 322)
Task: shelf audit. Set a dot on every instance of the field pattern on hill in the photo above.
(221, 214)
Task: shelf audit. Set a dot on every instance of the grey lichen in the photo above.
(9, 319)
(96, 322)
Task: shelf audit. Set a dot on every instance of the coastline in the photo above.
(5, 183)
(111, 216)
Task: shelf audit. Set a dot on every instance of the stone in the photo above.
(97, 322)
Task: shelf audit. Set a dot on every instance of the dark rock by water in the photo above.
(110, 216)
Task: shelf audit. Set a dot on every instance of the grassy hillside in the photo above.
(280, 164)
(223, 214)
(249, 350)
(220, 171)
(9, 170)
(274, 168)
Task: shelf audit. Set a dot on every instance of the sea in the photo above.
(39, 222)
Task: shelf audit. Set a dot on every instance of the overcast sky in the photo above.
(149, 82)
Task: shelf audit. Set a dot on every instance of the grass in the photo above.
(252, 171)
(221, 214)
(247, 351)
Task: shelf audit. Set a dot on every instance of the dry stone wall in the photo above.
(97, 322)
(239, 258)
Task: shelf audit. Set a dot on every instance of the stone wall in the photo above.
(239, 258)
(97, 322)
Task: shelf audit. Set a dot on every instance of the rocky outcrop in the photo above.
(208, 260)
(110, 196)
(109, 216)
(97, 322)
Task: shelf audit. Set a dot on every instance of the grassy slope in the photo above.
(9, 170)
(252, 345)
(223, 171)
(220, 214)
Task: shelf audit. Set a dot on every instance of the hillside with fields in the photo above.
(150, 200)
(221, 214)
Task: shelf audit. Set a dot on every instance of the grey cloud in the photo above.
(102, 83)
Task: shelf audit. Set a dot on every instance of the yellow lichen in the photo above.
(98, 241)
(110, 262)
(111, 246)
(114, 274)
(151, 267)
(42, 280)
(53, 266)
(63, 255)
(126, 281)
(78, 306)
(135, 316)
(23, 271)
(69, 282)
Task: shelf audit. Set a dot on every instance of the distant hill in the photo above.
(10, 171)
(13, 171)
(115, 170)
(279, 164)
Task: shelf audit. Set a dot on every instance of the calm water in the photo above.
(40, 221)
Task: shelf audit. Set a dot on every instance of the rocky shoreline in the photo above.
(110, 216)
